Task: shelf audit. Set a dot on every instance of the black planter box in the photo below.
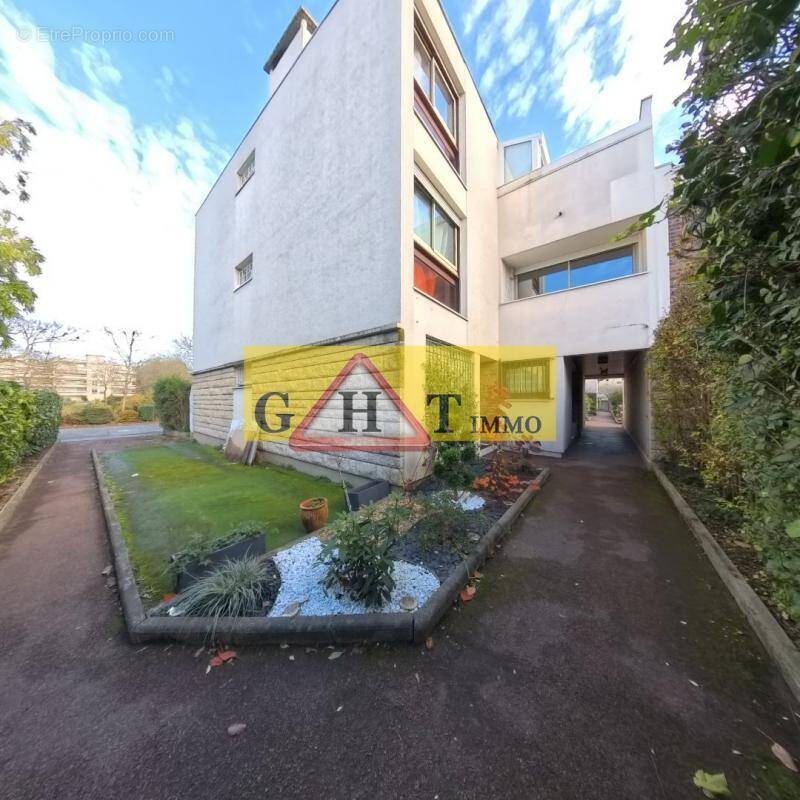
(367, 493)
(254, 546)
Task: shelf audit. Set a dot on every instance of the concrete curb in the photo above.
(339, 629)
(19, 493)
(132, 607)
(777, 644)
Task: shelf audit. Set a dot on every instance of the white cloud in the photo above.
(595, 103)
(473, 12)
(113, 201)
(97, 66)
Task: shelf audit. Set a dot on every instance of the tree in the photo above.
(737, 185)
(124, 344)
(33, 342)
(17, 253)
(152, 370)
(183, 350)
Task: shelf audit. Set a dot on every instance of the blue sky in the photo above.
(132, 133)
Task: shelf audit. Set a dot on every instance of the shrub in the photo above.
(71, 413)
(455, 463)
(96, 414)
(445, 523)
(128, 415)
(29, 422)
(358, 558)
(45, 421)
(147, 413)
(237, 589)
(171, 396)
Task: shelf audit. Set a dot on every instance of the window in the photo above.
(244, 272)
(577, 272)
(527, 379)
(434, 97)
(518, 160)
(245, 172)
(435, 250)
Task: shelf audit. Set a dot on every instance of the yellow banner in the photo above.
(398, 397)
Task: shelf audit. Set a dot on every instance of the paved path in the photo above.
(571, 675)
(98, 433)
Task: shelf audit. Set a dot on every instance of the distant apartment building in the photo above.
(372, 201)
(91, 378)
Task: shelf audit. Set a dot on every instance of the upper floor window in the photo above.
(517, 160)
(435, 250)
(577, 272)
(244, 272)
(245, 172)
(434, 97)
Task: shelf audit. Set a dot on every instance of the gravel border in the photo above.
(334, 629)
(775, 640)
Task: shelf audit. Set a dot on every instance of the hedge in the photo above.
(96, 414)
(147, 413)
(171, 396)
(29, 420)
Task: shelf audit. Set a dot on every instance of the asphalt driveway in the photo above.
(601, 658)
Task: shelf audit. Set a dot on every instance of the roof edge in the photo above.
(291, 30)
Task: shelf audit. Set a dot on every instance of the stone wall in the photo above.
(212, 404)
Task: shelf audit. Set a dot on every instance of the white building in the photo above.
(319, 228)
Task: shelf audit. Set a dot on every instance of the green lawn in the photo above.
(183, 489)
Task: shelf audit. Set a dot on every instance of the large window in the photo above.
(578, 272)
(435, 250)
(434, 97)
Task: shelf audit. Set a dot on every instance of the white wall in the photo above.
(636, 402)
(321, 215)
(471, 195)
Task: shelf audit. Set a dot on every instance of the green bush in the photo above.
(29, 422)
(96, 414)
(358, 557)
(237, 589)
(454, 463)
(128, 415)
(45, 421)
(171, 397)
(147, 413)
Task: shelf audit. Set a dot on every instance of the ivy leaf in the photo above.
(745, 359)
(712, 785)
(793, 529)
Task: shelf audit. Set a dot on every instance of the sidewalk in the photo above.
(571, 675)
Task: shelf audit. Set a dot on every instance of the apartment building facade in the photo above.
(372, 201)
(73, 379)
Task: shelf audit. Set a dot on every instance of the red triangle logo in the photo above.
(303, 438)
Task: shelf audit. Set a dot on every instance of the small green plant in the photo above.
(237, 589)
(445, 523)
(171, 399)
(454, 463)
(200, 549)
(358, 556)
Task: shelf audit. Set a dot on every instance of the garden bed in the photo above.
(430, 558)
(724, 523)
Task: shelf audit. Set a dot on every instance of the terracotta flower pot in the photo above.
(314, 513)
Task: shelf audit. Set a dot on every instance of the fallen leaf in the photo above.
(198, 651)
(339, 709)
(712, 785)
(467, 593)
(429, 643)
(334, 654)
(216, 661)
(694, 683)
(226, 655)
(169, 596)
(784, 757)
(477, 575)
(236, 728)
(106, 571)
(291, 658)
